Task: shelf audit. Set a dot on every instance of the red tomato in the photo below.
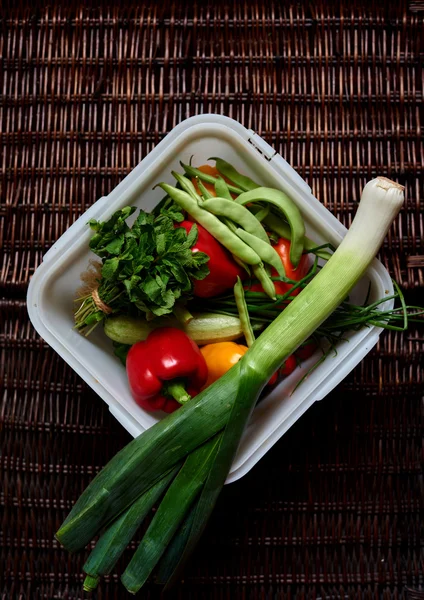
(305, 352)
(283, 249)
(289, 366)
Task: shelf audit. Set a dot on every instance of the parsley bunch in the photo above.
(145, 268)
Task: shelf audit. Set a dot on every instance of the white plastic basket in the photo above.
(52, 288)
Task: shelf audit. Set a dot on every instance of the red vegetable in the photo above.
(306, 351)
(283, 249)
(289, 366)
(159, 368)
(223, 270)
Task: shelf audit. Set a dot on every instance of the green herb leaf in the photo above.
(150, 264)
(110, 267)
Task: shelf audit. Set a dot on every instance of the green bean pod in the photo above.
(282, 229)
(265, 280)
(261, 213)
(212, 224)
(187, 185)
(242, 264)
(267, 253)
(193, 172)
(221, 189)
(239, 214)
(246, 326)
(241, 181)
(290, 211)
(205, 193)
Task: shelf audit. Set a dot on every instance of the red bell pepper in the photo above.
(283, 249)
(223, 270)
(159, 368)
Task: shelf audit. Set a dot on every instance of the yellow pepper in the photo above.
(220, 357)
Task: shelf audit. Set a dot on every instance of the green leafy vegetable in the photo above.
(146, 268)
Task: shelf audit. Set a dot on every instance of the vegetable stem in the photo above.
(176, 390)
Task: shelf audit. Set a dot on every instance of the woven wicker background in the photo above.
(334, 509)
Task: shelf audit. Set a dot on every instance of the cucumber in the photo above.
(204, 328)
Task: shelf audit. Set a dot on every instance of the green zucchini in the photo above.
(204, 328)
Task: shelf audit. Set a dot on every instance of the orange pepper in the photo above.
(209, 170)
(220, 357)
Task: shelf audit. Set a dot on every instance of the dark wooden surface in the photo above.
(334, 509)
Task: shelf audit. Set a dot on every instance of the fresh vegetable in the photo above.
(211, 223)
(223, 207)
(289, 366)
(146, 268)
(296, 274)
(282, 229)
(207, 188)
(220, 358)
(160, 369)
(228, 402)
(207, 174)
(241, 181)
(305, 351)
(243, 313)
(281, 287)
(266, 252)
(204, 328)
(172, 510)
(287, 208)
(118, 535)
(223, 270)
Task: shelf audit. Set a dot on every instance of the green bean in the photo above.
(212, 224)
(265, 280)
(246, 326)
(283, 230)
(230, 224)
(193, 172)
(289, 210)
(266, 252)
(205, 193)
(187, 185)
(239, 214)
(243, 182)
(221, 189)
(260, 212)
(242, 264)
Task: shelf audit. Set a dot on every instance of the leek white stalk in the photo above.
(230, 399)
(381, 201)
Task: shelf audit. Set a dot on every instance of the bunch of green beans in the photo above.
(233, 224)
(244, 184)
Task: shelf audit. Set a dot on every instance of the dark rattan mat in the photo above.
(334, 509)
